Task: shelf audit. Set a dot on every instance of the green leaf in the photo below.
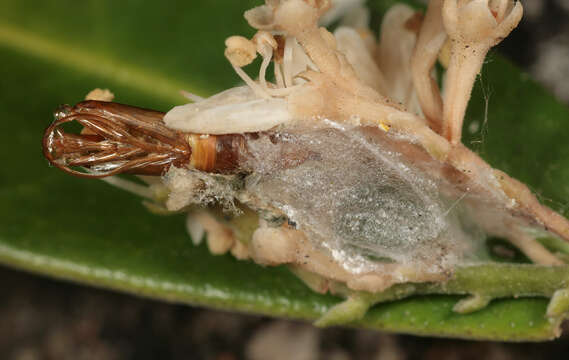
(56, 51)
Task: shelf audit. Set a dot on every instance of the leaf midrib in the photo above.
(141, 79)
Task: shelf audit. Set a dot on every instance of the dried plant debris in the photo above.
(348, 166)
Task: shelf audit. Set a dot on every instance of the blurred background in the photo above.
(41, 318)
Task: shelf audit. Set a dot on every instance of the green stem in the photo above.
(491, 280)
(482, 284)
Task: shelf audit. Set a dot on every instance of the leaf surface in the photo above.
(54, 52)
